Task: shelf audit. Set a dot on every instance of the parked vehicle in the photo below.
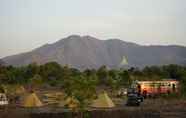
(3, 99)
(133, 100)
(155, 88)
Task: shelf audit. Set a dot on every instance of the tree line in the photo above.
(71, 79)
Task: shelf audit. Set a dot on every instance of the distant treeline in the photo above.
(54, 74)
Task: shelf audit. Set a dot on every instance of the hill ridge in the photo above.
(89, 52)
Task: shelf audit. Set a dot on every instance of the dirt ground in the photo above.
(150, 108)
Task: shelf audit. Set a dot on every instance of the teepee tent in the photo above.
(71, 103)
(32, 101)
(103, 101)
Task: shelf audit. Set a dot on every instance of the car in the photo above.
(141, 98)
(134, 92)
(134, 99)
(3, 99)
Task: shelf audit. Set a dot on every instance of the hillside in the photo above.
(88, 52)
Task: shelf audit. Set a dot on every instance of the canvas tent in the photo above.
(32, 100)
(71, 103)
(103, 101)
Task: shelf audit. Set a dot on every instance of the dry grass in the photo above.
(151, 108)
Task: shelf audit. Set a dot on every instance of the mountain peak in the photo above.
(89, 37)
(81, 37)
(74, 36)
(88, 52)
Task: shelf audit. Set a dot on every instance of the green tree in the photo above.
(51, 72)
(31, 70)
(103, 75)
(125, 79)
(82, 88)
(173, 71)
(36, 81)
(183, 83)
(16, 75)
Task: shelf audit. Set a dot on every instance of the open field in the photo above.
(150, 108)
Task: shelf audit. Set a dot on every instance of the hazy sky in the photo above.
(27, 24)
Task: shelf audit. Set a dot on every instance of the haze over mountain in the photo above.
(88, 52)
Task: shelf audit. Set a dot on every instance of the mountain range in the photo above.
(88, 52)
